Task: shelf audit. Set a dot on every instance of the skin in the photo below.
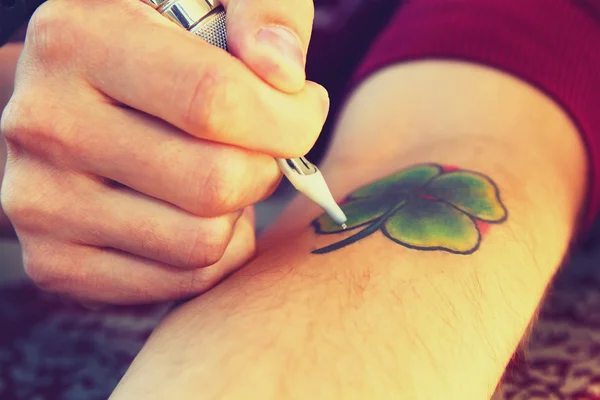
(133, 164)
(376, 318)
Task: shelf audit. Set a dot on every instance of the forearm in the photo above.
(8, 61)
(375, 318)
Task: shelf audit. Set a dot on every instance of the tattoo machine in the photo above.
(206, 19)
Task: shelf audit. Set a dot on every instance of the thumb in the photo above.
(271, 37)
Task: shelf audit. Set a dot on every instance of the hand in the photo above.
(135, 149)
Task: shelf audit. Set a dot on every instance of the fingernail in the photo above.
(285, 46)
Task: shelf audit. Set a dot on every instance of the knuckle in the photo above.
(11, 206)
(41, 271)
(35, 126)
(31, 198)
(9, 122)
(209, 102)
(19, 206)
(24, 215)
(51, 34)
(19, 121)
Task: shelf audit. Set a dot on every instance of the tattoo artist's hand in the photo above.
(135, 149)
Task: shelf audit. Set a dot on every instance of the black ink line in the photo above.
(372, 228)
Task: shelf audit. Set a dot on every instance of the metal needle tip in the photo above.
(344, 226)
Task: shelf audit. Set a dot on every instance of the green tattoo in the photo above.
(424, 207)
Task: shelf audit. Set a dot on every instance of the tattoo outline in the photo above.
(424, 207)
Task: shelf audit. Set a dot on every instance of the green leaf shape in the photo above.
(433, 225)
(359, 212)
(405, 180)
(470, 192)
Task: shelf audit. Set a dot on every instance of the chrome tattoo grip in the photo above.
(204, 18)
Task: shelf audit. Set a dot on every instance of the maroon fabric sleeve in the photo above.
(554, 45)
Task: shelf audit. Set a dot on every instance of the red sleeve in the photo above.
(554, 45)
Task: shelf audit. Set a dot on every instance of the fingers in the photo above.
(145, 227)
(167, 72)
(99, 244)
(160, 69)
(271, 37)
(218, 100)
(94, 274)
(205, 178)
(103, 216)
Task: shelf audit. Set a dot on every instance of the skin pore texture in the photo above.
(375, 317)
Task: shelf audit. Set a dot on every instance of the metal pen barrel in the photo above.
(204, 18)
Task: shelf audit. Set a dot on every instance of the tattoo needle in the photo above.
(206, 19)
(308, 180)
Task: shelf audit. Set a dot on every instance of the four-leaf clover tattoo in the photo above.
(424, 207)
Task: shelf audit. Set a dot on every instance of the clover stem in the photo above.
(370, 229)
